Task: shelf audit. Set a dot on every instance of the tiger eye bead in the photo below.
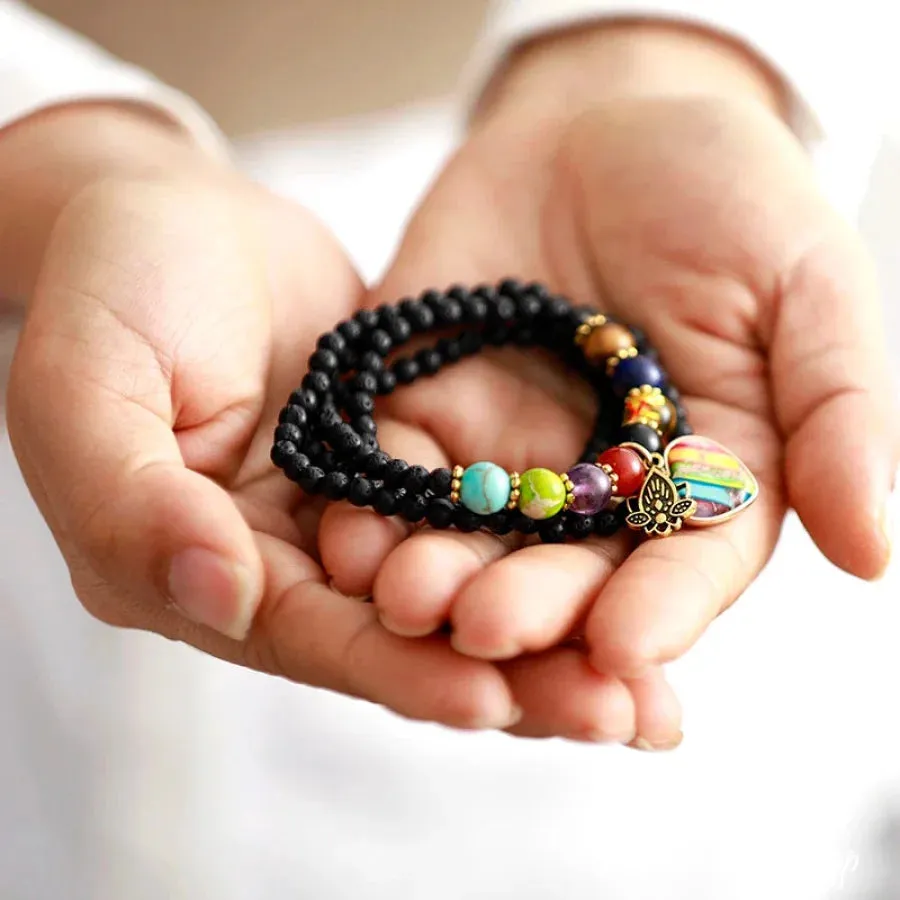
(606, 341)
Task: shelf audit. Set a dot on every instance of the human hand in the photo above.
(645, 170)
(173, 305)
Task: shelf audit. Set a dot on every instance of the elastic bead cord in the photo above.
(326, 438)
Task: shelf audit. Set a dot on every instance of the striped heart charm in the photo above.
(720, 483)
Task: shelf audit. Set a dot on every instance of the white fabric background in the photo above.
(133, 769)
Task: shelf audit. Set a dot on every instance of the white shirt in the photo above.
(837, 63)
(131, 768)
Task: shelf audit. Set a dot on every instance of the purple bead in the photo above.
(636, 371)
(593, 489)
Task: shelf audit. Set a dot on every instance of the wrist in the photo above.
(558, 76)
(48, 158)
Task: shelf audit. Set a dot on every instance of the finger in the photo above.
(479, 419)
(533, 599)
(354, 542)
(312, 286)
(416, 586)
(562, 696)
(659, 602)
(94, 428)
(657, 712)
(308, 633)
(834, 402)
(493, 408)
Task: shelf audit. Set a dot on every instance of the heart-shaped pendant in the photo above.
(720, 483)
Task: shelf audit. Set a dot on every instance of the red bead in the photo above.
(628, 466)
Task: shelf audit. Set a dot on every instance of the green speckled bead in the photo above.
(484, 488)
(543, 494)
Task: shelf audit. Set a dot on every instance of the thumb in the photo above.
(91, 417)
(835, 404)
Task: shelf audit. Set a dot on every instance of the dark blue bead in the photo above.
(635, 372)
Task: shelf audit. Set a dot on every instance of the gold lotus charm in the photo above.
(659, 509)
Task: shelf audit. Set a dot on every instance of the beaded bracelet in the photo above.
(642, 466)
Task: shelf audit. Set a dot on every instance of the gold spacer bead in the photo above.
(583, 331)
(455, 485)
(613, 361)
(613, 477)
(515, 480)
(454, 496)
(458, 472)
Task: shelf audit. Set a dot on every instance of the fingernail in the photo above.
(407, 631)
(510, 650)
(640, 743)
(889, 524)
(212, 591)
(357, 598)
(889, 521)
(515, 716)
(592, 736)
(499, 723)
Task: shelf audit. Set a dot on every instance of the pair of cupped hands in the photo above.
(172, 305)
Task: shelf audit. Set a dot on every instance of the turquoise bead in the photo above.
(484, 488)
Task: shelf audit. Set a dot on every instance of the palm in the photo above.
(679, 218)
(671, 217)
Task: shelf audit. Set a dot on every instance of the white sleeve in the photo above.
(43, 64)
(836, 61)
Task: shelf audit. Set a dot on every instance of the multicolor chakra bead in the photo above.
(625, 468)
(646, 405)
(484, 488)
(720, 483)
(542, 493)
(636, 371)
(592, 489)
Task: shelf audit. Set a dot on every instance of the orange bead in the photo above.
(628, 468)
(607, 341)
